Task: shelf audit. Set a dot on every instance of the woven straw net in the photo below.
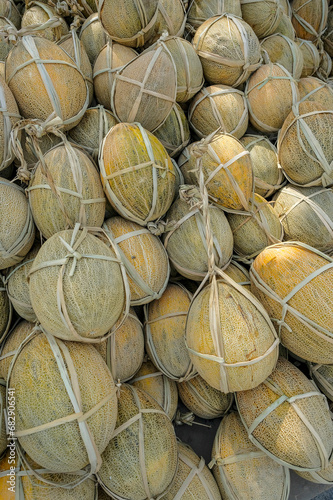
(17, 285)
(309, 18)
(315, 90)
(171, 17)
(9, 114)
(145, 89)
(93, 37)
(145, 259)
(174, 133)
(165, 333)
(92, 129)
(40, 13)
(231, 355)
(185, 240)
(255, 230)
(193, 480)
(66, 189)
(123, 351)
(288, 418)
(202, 399)
(242, 470)
(5, 310)
(158, 386)
(18, 333)
(199, 11)
(305, 146)
(72, 270)
(219, 106)
(268, 176)
(140, 461)
(283, 50)
(46, 82)
(17, 230)
(227, 169)
(130, 22)
(306, 215)
(311, 57)
(137, 174)
(271, 92)
(69, 430)
(294, 283)
(228, 48)
(111, 58)
(263, 17)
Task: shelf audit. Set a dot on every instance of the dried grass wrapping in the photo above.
(297, 430)
(17, 285)
(110, 59)
(137, 174)
(45, 143)
(9, 346)
(219, 107)
(268, 176)
(243, 471)
(315, 90)
(230, 339)
(83, 392)
(158, 386)
(66, 189)
(130, 22)
(17, 229)
(306, 215)
(263, 17)
(9, 115)
(40, 13)
(93, 37)
(309, 18)
(71, 271)
(193, 480)
(202, 399)
(145, 89)
(53, 89)
(199, 11)
(270, 92)
(144, 257)
(305, 146)
(284, 51)
(294, 282)
(140, 461)
(228, 48)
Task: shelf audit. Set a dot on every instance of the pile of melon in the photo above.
(166, 247)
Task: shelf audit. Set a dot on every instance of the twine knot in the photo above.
(156, 228)
(191, 195)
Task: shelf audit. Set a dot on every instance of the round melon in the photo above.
(66, 189)
(17, 229)
(228, 48)
(145, 260)
(72, 273)
(263, 17)
(83, 392)
(93, 37)
(282, 50)
(309, 18)
(174, 133)
(9, 115)
(311, 57)
(171, 18)
(288, 418)
(219, 107)
(239, 274)
(138, 176)
(11, 343)
(285, 278)
(315, 90)
(199, 11)
(40, 13)
(285, 26)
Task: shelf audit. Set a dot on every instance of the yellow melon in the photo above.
(40, 13)
(315, 90)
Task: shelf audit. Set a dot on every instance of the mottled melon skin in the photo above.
(11, 344)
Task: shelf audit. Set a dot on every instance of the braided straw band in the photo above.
(325, 385)
(260, 183)
(282, 398)
(137, 40)
(227, 482)
(71, 259)
(166, 396)
(214, 313)
(317, 330)
(313, 151)
(208, 407)
(190, 371)
(132, 272)
(242, 64)
(56, 116)
(69, 377)
(26, 236)
(216, 112)
(307, 26)
(141, 439)
(57, 191)
(10, 315)
(152, 164)
(293, 87)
